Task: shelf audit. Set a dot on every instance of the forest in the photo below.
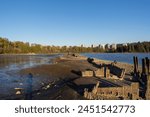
(18, 47)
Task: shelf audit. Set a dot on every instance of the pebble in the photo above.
(18, 92)
(21, 84)
(38, 93)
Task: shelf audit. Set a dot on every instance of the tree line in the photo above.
(135, 47)
(19, 47)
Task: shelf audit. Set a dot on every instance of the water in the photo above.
(11, 64)
(120, 57)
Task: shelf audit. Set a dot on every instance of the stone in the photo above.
(87, 73)
(18, 92)
(21, 84)
(99, 72)
(48, 86)
(130, 91)
(38, 93)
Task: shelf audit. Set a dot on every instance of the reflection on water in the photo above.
(23, 61)
(11, 64)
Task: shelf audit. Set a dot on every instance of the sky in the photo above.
(75, 22)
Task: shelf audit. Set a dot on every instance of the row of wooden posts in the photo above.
(145, 65)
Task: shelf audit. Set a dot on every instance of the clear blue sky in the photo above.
(75, 22)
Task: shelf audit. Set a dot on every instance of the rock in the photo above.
(21, 84)
(87, 73)
(38, 93)
(42, 83)
(18, 92)
(48, 86)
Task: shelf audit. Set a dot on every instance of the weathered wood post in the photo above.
(147, 95)
(143, 66)
(135, 60)
(106, 72)
(134, 64)
(147, 65)
(144, 76)
(137, 63)
(136, 73)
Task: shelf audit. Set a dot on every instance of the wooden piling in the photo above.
(143, 66)
(147, 95)
(147, 65)
(134, 64)
(137, 63)
(135, 60)
(106, 72)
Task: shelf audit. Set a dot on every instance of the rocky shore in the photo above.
(55, 80)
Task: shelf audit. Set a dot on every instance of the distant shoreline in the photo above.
(31, 54)
(78, 53)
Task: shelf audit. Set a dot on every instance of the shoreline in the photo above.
(30, 54)
(82, 54)
(76, 52)
(58, 74)
(61, 70)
